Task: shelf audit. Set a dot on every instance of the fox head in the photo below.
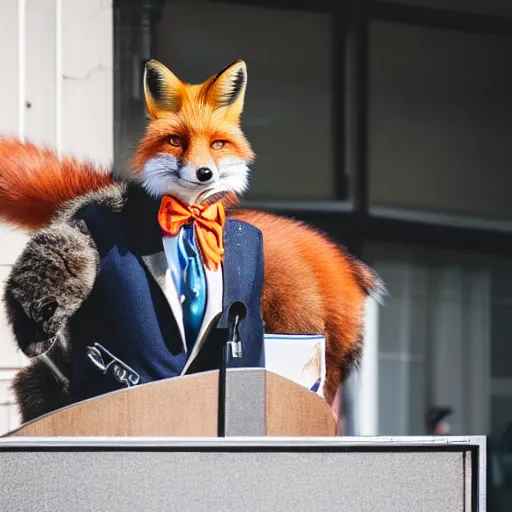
(194, 148)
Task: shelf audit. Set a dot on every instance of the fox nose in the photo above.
(204, 174)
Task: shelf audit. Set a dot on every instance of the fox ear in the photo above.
(227, 88)
(163, 90)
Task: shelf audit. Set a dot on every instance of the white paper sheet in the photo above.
(300, 358)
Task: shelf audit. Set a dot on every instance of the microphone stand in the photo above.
(232, 348)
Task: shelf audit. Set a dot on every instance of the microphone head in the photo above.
(237, 308)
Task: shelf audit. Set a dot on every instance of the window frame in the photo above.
(355, 221)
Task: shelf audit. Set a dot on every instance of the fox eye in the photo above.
(175, 141)
(218, 144)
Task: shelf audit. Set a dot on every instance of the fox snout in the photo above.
(165, 174)
(202, 175)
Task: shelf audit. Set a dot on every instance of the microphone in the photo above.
(236, 313)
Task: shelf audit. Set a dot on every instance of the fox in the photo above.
(195, 150)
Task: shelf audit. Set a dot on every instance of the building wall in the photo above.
(56, 89)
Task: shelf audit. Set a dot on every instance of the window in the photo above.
(440, 121)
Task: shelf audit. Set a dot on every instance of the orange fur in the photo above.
(34, 182)
(310, 284)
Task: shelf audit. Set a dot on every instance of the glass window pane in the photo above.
(440, 121)
(439, 332)
(288, 111)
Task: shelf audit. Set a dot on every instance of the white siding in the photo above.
(56, 89)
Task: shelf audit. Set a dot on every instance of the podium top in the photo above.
(258, 403)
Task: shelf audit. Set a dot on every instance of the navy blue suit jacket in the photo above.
(128, 313)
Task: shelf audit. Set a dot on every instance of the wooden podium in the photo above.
(157, 447)
(257, 403)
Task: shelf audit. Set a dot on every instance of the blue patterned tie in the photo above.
(193, 285)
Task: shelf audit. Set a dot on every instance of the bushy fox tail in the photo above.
(35, 182)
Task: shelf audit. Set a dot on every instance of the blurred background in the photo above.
(386, 124)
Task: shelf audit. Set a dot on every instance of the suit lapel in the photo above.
(142, 226)
(157, 265)
(158, 268)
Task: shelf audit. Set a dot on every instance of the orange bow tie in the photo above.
(208, 222)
